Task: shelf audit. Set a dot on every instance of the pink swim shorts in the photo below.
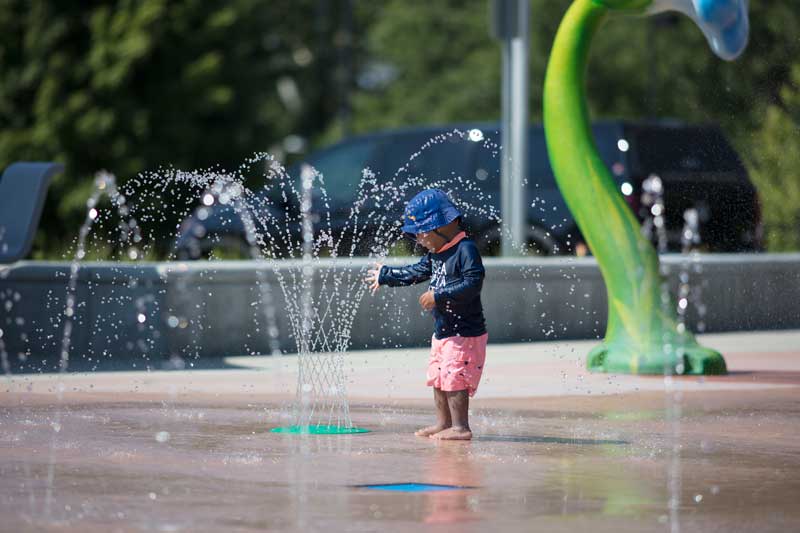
(457, 363)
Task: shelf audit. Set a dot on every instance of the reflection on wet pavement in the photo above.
(557, 440)
(560, 464)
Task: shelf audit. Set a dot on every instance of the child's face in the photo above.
(429, 240)
(435, 239)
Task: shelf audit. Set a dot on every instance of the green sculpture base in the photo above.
(642, 335)
(626, 358)
(319, 430)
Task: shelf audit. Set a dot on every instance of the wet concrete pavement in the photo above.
(192, 451)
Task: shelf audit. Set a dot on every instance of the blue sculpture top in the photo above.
(723, 22)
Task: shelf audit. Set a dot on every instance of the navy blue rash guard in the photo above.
(456, 277)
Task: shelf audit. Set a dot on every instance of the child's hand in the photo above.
(372, 277)
(427, 301)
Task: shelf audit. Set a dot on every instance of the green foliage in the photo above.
(447, 65)
(131, 85)
(448, 70)
(775, 168)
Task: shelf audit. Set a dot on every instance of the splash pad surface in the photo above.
(319, 429)
(192, 450)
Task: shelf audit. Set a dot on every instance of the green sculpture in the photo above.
(642, 335)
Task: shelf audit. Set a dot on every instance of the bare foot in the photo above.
(430, 430)
(453, 434)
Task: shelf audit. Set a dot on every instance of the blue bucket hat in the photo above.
(427, 211)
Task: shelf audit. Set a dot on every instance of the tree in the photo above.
(131, 85)
(447, 69)
(775, 167)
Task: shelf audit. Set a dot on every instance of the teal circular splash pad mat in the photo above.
(319, 430)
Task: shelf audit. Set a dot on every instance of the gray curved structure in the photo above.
(23, 188)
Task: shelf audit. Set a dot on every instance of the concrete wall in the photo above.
(215, 306)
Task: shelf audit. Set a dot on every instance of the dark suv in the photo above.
(698, 168)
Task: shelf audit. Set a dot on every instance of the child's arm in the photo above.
(407, 275)
(472, 272)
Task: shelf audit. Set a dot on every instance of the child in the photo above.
(458, 346)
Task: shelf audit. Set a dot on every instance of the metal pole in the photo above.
(511, 26)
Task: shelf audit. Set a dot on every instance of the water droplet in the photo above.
(475, 135)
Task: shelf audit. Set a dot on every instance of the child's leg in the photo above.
(458, 401)
(443, 420)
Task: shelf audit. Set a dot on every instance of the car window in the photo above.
(685, 150)
(486, 171)
(539, 171)
(442, 159)
(614, 148)
(342, 165)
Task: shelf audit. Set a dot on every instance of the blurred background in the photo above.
(135, 85)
